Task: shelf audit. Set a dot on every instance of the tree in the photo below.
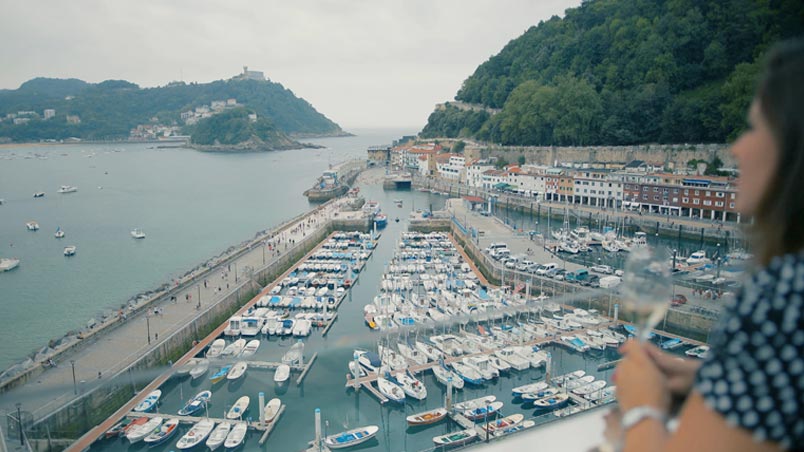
(521, 160)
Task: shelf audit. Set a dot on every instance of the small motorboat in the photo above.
(148, 403)
(201, 367)
(282, 373)
(39, 194)
(220, 374)
(137, 233)
(294, 355)
(271, 410)
(698, 352)
(70, 250)
(8, 264)
(499, 425)
(139, 432)
(216, 348)
(236, 436)
(197, 434)
(484, 411)
(551, 402)
(239, 407)
(428, 417)
(218, 436)
(133, 424)
(59, 234)
(67, 189)
(352, 437)
(32, 226)
(237, 371)
(412, 387)
(196, 403)
(590, 388)
(118, 428)
(235, 348)
(163, 433)
(251, 348)
(456, 438)
(390, 390)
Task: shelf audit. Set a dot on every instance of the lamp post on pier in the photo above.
(148, 326)
(75, 385)
(19, 422)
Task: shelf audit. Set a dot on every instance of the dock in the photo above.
(367, 384)
(195, 419)
(270, 365)
(306, 369)
(329, 325)
(270, 427)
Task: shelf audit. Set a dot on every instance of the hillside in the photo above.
(233, 130)
(110, 109)
(623, 72)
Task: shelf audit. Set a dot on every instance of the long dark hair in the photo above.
(779, 227)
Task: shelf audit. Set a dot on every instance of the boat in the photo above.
(412, 387)
(133, 424)
(456, 438)
(8, 264)
(352, 437)
(533, 396)
(220, 374)
(70, 250)
(475, 403)
(149, 402)
(698, 352)
(302, 328)
(216, 348)
(551, 402)
(237, 371)
(67, 189)
(594, 386)
(499, 425)
(381, 220)
(369, 360)
(239, 407)
(39, 194)
(529, 388)
(197, 434)
(469, 374)
(218, 436)
(671, 343)
(139, 432)
(390, 390)
(196, 403)
(32, 226)
(295, 354)
(518, 427)
(484, 411)
(427, 417)
(569, 385)
(604, 395)
(513, 359)
(59, 234)
(163, 433)
(271, 410)
(200, 368)
(235, 348)
(236, 435)
(444, 375)
(137, 233)
(282, 373)
(698, 257)
(251, 348)
(117, 429)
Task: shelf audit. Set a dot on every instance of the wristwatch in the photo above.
(636, 415)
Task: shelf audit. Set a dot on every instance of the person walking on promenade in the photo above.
(748, 394)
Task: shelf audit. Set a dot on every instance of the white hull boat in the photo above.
(139, 432)
(239, 407)
(282, 374)
(271, 410)
(237, 371)
(251, 348)
(236, 436)
(351, 437)
(216, 348)
(149, 402)
(218, 436)
(390, 390)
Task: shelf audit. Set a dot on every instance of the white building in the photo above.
(453, 168)
(598, 188)
(49, 113)
(474, 172)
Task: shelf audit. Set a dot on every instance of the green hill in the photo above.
(623, 72)
(234, 130)
(110, 109)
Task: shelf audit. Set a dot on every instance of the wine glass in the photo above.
(647, 288)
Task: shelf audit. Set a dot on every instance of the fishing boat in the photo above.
(352, 437)
(139, 432)
(235, 348)
(456, 438)
(236, 436)
(197, 434)
(67, 189)
(381, 220)
(198, 367)
(137, 233)
(239, 407)
(671, 343)
(163, 433)
(32, 226)
(518, 427)
(484, 411)
(590, 388)
(196, 403)
(551, 402)
(499, 425)
(282, 373)
(148, 403)
(220, 374)
(443, 376)
(271, 410)
(59, 234)
(251, 348)
(8, 264)
(412, 387)
(698, 352)
(295, 354)
(120, 427)
(216, 348)
(536, 395)
(428, 417)
(390, 390)
(578, 382)
(475, 403)
(218, 436)
(237, 371)
(70, 250)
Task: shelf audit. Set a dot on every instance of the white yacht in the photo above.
(69, 250)
(32, 226)
(67, 189)
(698, 257)
(137, 233)
(7, 264)
(59, 233)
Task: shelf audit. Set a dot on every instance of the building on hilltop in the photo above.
(250, 75)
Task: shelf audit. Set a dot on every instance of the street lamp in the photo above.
(235, 264)
(148, 325)
(19, 422)
(75, 385)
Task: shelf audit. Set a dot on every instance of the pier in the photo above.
(329, 325)
(195, 419)
(270, 427)
(306, 369)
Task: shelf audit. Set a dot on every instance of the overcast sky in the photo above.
(362, 63)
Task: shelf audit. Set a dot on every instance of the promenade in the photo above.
(111, 351)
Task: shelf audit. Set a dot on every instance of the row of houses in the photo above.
(637, 185)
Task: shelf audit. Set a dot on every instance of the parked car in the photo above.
(604, 269)
(607, 282)
(678, 299)
(577, 275)
(524, 265)
(559, 274)
(592, 279)
(553, 272)
(501, 253)
(544, 269)
(619, 273)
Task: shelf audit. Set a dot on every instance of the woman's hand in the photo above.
(639, 380)
(679, 372)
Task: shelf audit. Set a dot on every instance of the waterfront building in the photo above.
(49, 113)
(474, 172)
(598, 188)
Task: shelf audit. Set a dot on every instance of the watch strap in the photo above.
(636, 415)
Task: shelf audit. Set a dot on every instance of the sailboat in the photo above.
(59, 233)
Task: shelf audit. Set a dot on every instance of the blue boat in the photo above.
(352, 437)
(196, 403)
(148, 403)
(381, 220)
(483, 411)
(551, 403)
(632, 331)
(671, 343)
(221, 374)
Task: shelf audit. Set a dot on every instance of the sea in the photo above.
(192, 206)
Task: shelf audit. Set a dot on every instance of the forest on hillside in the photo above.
(624, 72)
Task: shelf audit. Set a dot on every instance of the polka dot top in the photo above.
(754, 374)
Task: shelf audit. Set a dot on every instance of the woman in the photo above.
(748, 395)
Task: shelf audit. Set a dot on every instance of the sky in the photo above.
(362, 63)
